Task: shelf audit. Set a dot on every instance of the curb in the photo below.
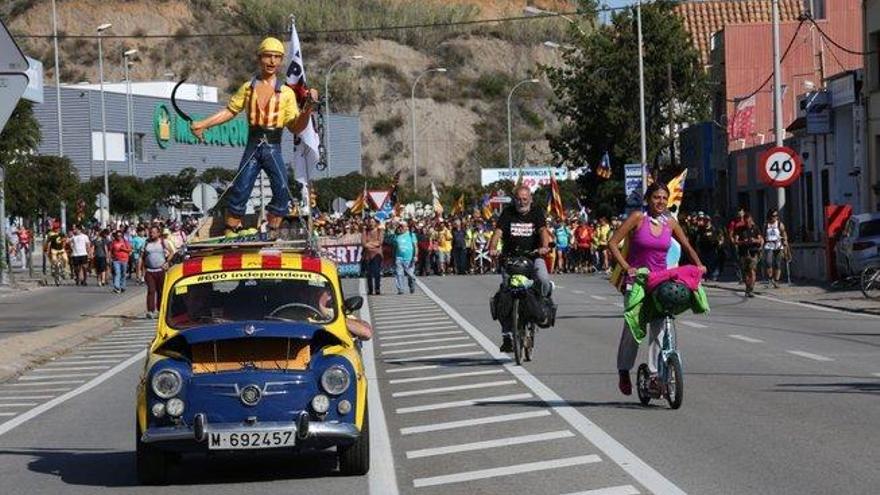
(861, 311)
(23, 352)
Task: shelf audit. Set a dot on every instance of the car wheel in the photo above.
(354, 460)
(152, 463)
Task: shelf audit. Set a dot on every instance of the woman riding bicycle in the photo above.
(650, 234)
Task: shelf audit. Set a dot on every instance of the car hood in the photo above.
(250, 329)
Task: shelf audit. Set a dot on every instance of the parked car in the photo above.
(859, 244)
(252, 353)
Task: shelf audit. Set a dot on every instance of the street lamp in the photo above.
(643, 137)
(101, 29)
(327, 108)
(413, 100)
(57, 81)
(126, 64)
(509, 136)
(535, 11)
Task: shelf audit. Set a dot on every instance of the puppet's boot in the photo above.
(232, 225)
(273, 224)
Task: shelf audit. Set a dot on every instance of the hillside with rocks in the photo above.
(461, 115)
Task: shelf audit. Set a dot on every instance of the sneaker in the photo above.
(624, 384)
(775, 284)
(506, 344)
(400, 293)
(412, 290)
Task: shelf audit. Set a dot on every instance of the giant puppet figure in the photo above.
(271, 106)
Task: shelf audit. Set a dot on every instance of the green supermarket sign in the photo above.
(169, 127)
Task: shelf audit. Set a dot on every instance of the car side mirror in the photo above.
(352, 304)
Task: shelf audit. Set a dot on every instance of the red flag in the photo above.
(742, 124)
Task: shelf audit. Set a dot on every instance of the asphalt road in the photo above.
(779, 398)
(45, 307)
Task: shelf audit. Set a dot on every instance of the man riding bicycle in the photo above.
(56, 247)
(523, 231)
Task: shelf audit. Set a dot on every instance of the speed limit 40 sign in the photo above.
(780, 166)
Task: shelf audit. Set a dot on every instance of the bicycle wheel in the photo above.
(643, 377)
(529, 342)
(675, 382)
(516, 334)
(870, 282)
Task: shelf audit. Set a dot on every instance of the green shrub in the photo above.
(387, 126)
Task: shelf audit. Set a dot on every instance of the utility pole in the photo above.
(671, 112)
(644, 142)
(4, 255)
(777, 96)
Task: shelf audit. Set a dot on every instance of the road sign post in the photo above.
(780, 166)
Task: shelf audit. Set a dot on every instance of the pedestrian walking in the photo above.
(24, 246)
(137, 246)
(459, 248)
(120, 251)
(748, 240)
(371, 241)
(775, 242)
(100, 245)
(80, 251)
(155, 260)
(405, 249)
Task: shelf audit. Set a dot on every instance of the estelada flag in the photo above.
(360, 203)
(486, 207)
(554, 206)
(604, 169)
(458, 207)
(676, 193)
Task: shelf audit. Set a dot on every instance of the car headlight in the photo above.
(321, 403)
(175, 407)
(167, 383)
(335, 380)
(158, 410)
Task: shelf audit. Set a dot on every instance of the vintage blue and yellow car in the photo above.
(252, 352)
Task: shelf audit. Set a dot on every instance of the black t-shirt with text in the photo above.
(521, 232)
(748, 238)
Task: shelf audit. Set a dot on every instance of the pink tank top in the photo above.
(647, 250)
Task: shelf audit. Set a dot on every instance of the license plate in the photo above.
(236, 440)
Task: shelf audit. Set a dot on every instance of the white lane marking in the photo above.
(611, 490)
(107, 355)
(123, 340)
(623, 457)
(404, 310)
(463, 403)
(560, 286)
(425, 341)
(435, 356)
(447, 376)
(5, 427)
(876, 374)
(810, 355)
(815, 306)
(18, 404)
(115, 347)
(577, 291)
(432, 318)
(55, 382)
(65, 362)
(381, 479)
(692, 324)
(73, 368)
(750, 340)
(413, 368)
(27, 397)
(415, 328)
(505, 471)
(453, 388)
(30, 378)
(7, 414)
(403, 315)
(598, 298)
(489, 444)
(432, 348)
(451, 425)
(619, 305)
(38, 390)
(409, 336)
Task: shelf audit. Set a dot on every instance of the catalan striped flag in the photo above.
(458, 207)
(486, 207)
(554, 206)
(604, 169)
(676, 193)
(359, 207)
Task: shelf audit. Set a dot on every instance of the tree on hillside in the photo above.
(598, 94)
(21, 135)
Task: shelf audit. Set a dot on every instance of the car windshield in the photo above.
(276, 295)
(871, 228)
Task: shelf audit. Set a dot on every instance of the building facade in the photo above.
(162, 143)
(871, 33)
